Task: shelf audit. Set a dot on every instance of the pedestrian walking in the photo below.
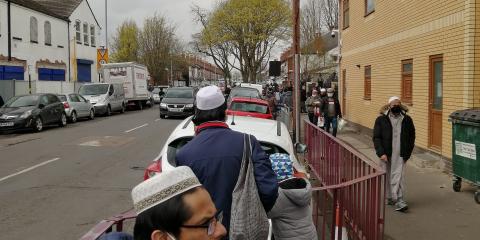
(394, 140)
(331, 111)
(272, 103)
(313, 107)
(286, 99)
(174, 205)
(216, 154)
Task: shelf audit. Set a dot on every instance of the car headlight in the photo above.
(189, 106)
(26, 114)
(163, 105)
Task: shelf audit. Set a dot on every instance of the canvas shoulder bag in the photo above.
(248, 217)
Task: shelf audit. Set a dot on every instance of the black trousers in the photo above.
(313, 119)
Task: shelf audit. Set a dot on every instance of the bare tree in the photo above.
(157, 43)
(219, 52)
(330, 13)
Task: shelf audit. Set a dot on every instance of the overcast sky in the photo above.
(177, 11)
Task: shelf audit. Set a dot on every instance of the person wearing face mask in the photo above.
(174, 205)
(394, 140)
(312, 103)
(330, 108)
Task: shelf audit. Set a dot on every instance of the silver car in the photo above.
(76, 106)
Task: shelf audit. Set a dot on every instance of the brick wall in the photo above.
(400, 30)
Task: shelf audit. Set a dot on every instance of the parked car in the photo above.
(77, 107)
(32, 111)
(105, 97)
(246, 92)
(178, 101)
(249, 107)
(272, 135)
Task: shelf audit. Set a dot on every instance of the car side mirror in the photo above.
(87, 101)
(110, 93)
(41, 106)
(300, 148)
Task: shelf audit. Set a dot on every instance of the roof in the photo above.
(251, 100)
(38, 6)
(61, 9)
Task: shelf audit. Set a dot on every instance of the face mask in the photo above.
(330, 94)
(396, 109)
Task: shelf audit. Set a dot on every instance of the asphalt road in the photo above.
(59, 183)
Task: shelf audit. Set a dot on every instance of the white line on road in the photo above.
(133, 129)
(29, 169)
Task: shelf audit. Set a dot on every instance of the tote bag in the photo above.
(248, 218)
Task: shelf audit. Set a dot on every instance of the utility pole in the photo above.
(9, 31)
(171, 71)
(296, 52)
(106, 26)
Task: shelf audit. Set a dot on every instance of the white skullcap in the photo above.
(393, 99)
(323, 90)
(163, 187)
(209, 98)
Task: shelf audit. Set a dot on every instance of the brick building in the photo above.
(426, 52)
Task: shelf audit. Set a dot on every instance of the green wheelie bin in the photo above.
(466, 148)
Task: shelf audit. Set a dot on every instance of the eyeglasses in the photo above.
(210, 224)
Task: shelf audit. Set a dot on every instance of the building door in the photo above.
(344, 92)
(436, 102)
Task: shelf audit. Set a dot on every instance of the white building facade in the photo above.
(43, 45)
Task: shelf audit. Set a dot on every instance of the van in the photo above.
(105, 97)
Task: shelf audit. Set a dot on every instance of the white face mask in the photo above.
(330, 94)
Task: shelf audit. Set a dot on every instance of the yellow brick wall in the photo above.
(406, 29)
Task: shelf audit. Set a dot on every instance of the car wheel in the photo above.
(162, 116)
(92, 114)
(63, 120)
(73, 118)
(109, 111)
(38, 127)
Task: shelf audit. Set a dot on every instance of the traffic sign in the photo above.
(102, 57)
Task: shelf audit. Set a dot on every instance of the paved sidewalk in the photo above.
(436, 211)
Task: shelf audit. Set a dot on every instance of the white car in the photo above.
(272, 135)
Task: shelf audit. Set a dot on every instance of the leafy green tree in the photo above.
(252, 28)
(125, 43)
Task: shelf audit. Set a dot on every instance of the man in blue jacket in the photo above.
(215, 155)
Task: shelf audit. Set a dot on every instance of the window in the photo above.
(92, 35)
(407, 71)
(48, 33)
(74, 98)
(346, 14)
(369, 6)
(52, 99)
(33, 30)
(78, 33)
(367, 92)
(85, 34)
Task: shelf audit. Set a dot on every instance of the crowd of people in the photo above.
(230, 193)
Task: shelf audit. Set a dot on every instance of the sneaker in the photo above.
(391, 202)
(401, 206)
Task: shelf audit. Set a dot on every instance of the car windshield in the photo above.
(62, 98)
(179, 93)
(245, 92)
(96, 89)
(22, 101)
(249, 107)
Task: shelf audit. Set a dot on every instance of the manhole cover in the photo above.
(105, 141)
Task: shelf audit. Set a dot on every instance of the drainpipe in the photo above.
(69, 57)
(9, 32)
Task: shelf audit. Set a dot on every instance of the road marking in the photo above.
(133, 129)
(158, 119)
(29, 169)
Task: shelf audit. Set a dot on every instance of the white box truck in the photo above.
(134, 78)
